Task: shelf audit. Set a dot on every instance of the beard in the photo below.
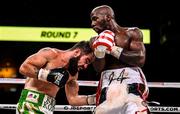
(73, 65)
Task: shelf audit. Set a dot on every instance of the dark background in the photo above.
(162, 63)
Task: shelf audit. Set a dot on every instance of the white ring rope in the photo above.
(57, 107)
(92, 107)
(86, 108)
(95, 83)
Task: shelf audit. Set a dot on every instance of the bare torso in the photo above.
(41, 86)
(123, 40)
(45, 86)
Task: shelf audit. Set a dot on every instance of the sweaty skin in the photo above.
(121, 78)
(45, 58)
(130, 39)
(48, 58)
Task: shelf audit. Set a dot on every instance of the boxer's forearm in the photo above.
(134, 58)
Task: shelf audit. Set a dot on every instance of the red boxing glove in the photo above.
(103, 43)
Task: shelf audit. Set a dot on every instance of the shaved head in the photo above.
(102, 18)
(104, 10)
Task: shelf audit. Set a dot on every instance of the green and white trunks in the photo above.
(32, 102)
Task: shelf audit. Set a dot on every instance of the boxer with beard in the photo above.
(46, 72)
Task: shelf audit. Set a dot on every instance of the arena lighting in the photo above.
(52, 34)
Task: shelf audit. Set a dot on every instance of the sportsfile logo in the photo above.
(164, 109)
(79, 108)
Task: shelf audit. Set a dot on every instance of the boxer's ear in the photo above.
(77, 52)
(108, 17)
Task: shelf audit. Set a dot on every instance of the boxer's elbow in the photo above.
(22, 69)
(77, 100)
(141, 62)
(72, 101)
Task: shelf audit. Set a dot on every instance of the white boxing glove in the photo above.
(103, 43)
(91, 99)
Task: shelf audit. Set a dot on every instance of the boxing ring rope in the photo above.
(95, 83)
(87, 108)
(165, 109)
